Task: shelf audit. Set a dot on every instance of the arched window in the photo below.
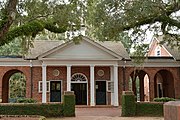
(78, 77)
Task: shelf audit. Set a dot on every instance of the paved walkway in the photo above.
(103, 114)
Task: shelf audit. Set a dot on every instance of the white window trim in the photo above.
(158, 48)
(111, 88)
(40, 84)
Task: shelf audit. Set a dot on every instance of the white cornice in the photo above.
(154, 63)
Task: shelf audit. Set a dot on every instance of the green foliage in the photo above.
(132, 108)
(14, 48)
(163, 99)
(149, 109)
(128, 105)
(33, 17)
(139, 54)
(77, 39)
(29, 29)
(106, 19)
(17, 85)
(69, 105)
(66, 109)
(47, 110)
(26, 100)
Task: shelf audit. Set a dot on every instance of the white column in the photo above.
(92, 102)
(68, 77)
(44, 87)
(112, 80)
(116, 101)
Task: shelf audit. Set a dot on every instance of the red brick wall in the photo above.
(151, 72)
(5, 74)
(37, 76)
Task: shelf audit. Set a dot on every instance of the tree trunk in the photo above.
(8, 17)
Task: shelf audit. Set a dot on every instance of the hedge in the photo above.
(132, 108)
(164, 99)
(69, 105)
(149, 109)
(42, 109)
(128, 105)
(67, 108)
(26, 100)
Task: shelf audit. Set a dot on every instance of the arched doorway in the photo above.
(164, 84)
(139, 84)
(79, 86)
(13, 86)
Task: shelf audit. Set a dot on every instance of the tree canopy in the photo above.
(108, 18)
(27, 18)
(104, 19)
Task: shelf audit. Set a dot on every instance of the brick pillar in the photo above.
(134, 85)
(141, 78)
(151, 88)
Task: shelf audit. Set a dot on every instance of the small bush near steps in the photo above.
(163, 99)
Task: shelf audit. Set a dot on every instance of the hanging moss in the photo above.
(77, 39)
(4, 18)
(24, 30)
(31, 29)
(53, 28)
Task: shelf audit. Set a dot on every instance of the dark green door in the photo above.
(100, 92)
(55, 91)
(80, 91)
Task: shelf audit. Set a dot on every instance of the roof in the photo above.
(173, 51)
(116, 47)
(43, 46)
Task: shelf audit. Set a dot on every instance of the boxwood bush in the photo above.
(163, 99)
(26, 107)
(132, 108)
(149, 109)
(69, 105)
(47, 110)
(128, 105)
(26, 100)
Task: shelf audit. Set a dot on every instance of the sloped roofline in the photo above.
(86, 39)
(156, 38)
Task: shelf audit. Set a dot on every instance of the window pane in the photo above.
(53, 87)
(58, 86)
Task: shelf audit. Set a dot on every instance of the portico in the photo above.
(91, 82)
(92, 56)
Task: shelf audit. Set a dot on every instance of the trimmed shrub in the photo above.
(42, 109)
(163, 99)
(149, 109)
(26, 100)
(128, 105)
(69, 105)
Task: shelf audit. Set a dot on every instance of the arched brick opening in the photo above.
(140, 78)
(164, 84)
(5, 84)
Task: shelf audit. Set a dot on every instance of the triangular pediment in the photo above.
(84, 50)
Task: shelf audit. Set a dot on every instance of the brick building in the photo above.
(97, 72)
